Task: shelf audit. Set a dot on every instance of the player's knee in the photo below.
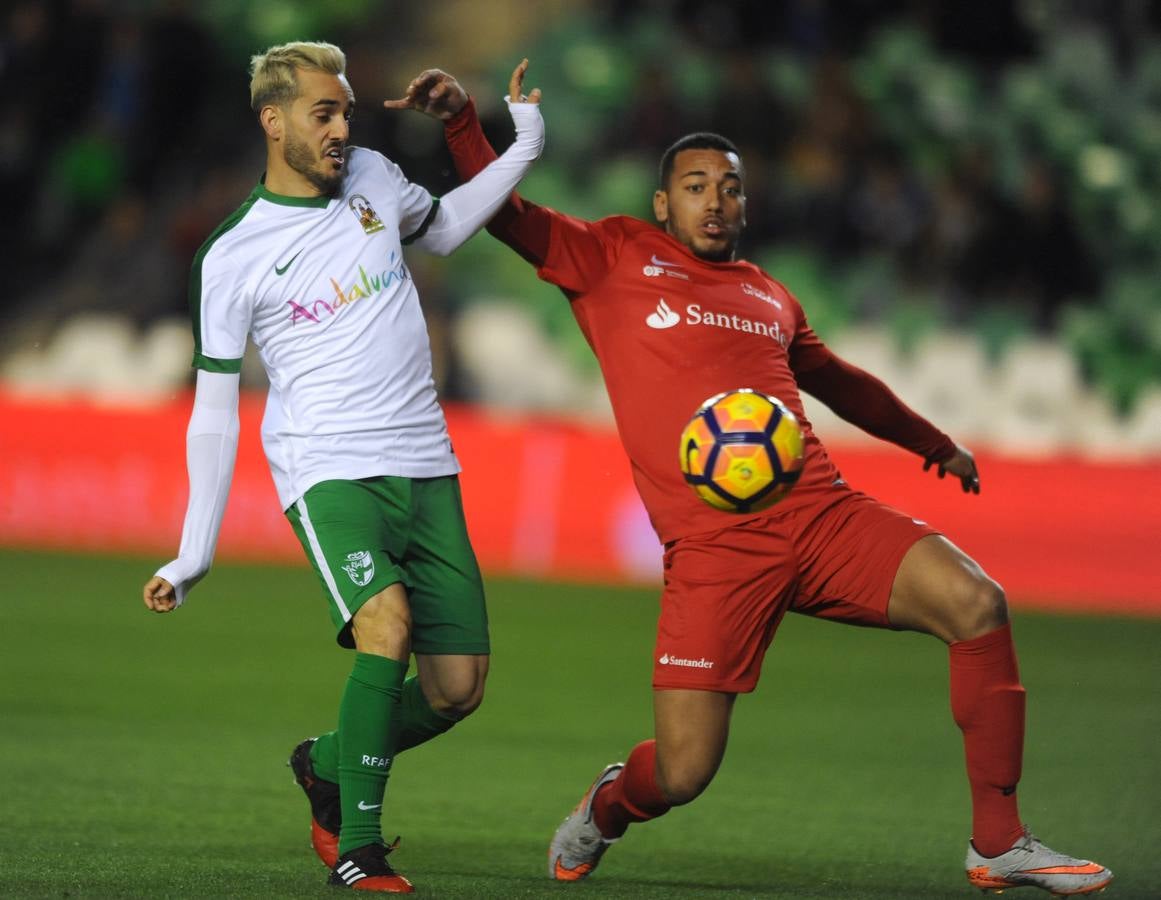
(980, 607)
(460, 705)
(683, 782)
(458, 697)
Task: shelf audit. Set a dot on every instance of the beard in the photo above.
(300, 158)
(717, 252)
(721, 254)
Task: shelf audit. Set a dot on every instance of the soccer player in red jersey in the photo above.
(673, 317)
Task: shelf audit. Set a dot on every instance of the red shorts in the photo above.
(726, 591)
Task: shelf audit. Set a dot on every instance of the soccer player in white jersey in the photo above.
(310, 267)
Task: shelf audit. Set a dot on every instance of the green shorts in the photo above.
(363, 536)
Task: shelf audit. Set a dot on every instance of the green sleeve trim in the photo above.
(422, 230)
(222, 366)
(195, 277)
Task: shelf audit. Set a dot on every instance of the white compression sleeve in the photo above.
(468, 208)
(211, 446)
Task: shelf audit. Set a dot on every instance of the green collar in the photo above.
(260, 190)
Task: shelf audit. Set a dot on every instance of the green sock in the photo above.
(418, 722)
(324, 756)
(368, 717)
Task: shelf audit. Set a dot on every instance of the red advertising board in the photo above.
(550, 498)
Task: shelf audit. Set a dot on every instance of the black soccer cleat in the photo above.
(366, 869)
(326, 815)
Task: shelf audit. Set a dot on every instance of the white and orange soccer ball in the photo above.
(742, 451)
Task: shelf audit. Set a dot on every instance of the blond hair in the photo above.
(273, 80)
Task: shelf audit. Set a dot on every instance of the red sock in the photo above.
(987, 702)
(633, 797)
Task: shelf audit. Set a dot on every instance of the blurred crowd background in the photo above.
(965, 196)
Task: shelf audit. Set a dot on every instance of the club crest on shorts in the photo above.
(365, 213)
(360, 567)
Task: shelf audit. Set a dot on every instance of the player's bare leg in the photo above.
(452, 684)
(939, 590)
(448, 688)
(692, 728)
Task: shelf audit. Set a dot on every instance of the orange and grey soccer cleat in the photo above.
(578, 845)
(366, 869)
(326, 815)
(1029, 863)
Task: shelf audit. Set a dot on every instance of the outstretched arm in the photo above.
(211, 446)
(863, 400)
(464, 211)
(523, 226)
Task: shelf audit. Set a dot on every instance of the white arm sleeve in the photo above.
(468, 208)
(211, 446)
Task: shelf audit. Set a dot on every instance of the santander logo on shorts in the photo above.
(703, 663)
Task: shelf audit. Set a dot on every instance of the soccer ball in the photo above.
(742, 451)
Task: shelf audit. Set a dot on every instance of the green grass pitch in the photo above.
(144, 755)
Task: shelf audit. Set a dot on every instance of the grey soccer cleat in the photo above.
(578, 845)
(1029, 863)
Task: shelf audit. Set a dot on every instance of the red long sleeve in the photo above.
(863, 400)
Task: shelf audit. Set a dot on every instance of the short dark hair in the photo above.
(699, 140)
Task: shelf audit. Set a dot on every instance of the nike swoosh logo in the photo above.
(561, 872)
(1088, 868)
(366, 806)
(280, 270)
(661, 262)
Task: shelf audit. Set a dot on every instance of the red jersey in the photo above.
(670, 329)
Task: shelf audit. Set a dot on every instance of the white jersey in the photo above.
(320, 286)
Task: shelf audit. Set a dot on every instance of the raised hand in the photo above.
(516, 86)
(433, 92)
(962, 465)
(438, 94)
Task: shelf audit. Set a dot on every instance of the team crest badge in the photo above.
(365, 213)
(360, 567)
